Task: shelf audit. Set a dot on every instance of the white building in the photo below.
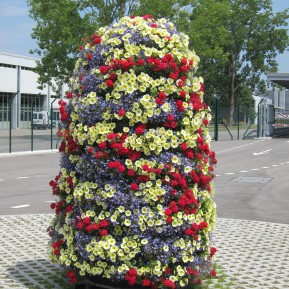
(19, 92)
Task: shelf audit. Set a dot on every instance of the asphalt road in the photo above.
(252, 181)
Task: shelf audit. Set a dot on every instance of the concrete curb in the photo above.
(27, 153)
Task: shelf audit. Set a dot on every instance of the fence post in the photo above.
(238, 116)
(51, 119)
(10, 125)
(32, 107)
(216, 132)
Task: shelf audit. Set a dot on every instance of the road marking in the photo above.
(1, 180)
(229, 173)
(239, 146)
(274, 165)
(282, 163)
(265, 167)
(243, 171)
(49, 201)
(20, 178)
(262, 153)
(21, 206)
(218, 175)
(255, 169)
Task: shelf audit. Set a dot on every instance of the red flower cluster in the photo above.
(191, 271)
(160, 100)
(95, 39)
(195, 228)
(62, 110)
(71, 275)
(131, 276)
(54, 185)
(140, 129)
(169, 283)
(93, 226)
(116, 165)
(170, 121)
(56, 246)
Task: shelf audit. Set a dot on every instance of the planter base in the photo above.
(104, 283)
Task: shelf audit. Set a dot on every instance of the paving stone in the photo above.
(251, 254)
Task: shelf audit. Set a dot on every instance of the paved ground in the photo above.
(252, 254)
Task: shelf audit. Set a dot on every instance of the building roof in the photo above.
(281, 79)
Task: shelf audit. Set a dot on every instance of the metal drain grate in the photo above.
(251, 180)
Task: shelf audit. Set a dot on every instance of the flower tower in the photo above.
(135, 184)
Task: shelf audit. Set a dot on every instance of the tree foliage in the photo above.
(237, 40)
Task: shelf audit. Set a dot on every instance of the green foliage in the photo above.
(237, 40)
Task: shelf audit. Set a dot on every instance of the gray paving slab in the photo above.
(250, 254)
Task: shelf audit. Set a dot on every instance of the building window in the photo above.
(5, 99)
(26, 68)
(7, 65)
(27, 101)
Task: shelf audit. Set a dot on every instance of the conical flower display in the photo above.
(135, 186)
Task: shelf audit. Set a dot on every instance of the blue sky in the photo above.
(16, 26)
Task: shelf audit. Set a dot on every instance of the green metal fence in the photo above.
(243, 126)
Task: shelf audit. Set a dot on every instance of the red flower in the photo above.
(147, 17)
(140, 129)
(158, 171)
(146, 282)
(79, 225)
(190, 271)
(103, 232)
(132, 272)
(131, 172)
(112, 76)
(102, 145)
(169, 220)
(213, 250)
(120, 168)
(109, 83)
(132, 281)
(159, 101)
(184, 61)
(134, 186)
(103, 223)
(89, 56)
(168, 270)
(90, 149)
(71, 275)
(213, 273)
(140, 62)
(163, 65)
(86, 220)
(69, 94)
(184, 146)
(182, 94)
(168, 212)
(121, 112)
(104, 69)
(169, 283)
(162, 95)
(205, 122)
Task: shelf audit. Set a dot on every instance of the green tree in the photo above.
(62, 25)
(238, 41)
